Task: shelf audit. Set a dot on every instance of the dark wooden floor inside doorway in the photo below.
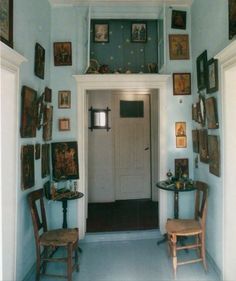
(122, 215)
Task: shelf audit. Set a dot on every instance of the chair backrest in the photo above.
(201, 202)
(38, 213)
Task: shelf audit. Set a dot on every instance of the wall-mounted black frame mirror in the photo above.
(99, 118)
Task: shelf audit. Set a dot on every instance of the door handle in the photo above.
(146, 148)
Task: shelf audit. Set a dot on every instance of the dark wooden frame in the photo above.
(39, 61)
(64, 102)
(93, 112)
(201, 63)
(232, 18)
(195, 138)
(64, 124)
(62, 53)
(202, 110)
(212, 72)
(47, 94)
(203, 146)
(181, 167)
(28, 112)
(105, 34)
(6, 14)
(178, 19)
(37, 151)
(181, 84)
(40, 110)
(27, 166)
(214, 155)
(179, 46)
(139, 39)
(65, 160)
(211, 113)
(47, 123)
(45, 160)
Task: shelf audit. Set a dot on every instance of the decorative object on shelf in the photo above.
(152, 67)
(99, 119)
(212, 72)
(182, 83)
(103, 69)
(6, 22)
(202, 70)
(27, 166)
(181, 141)
(62, 53)
(139, 32)
(203, 146)
(40, 110)
(179, 46)
(101, 32)
(37, 151)
(93, 67)
(181, 167)
(65, 160)
(47, 122)
(45, 164)
(64, 99)
(214, 155)
(64, 124)
(180, 128)
(232, 18)
(202, 110)
(47, 94)
(178, 19)
(211, 113)
(39, 61)
(195, 138)
(28, 112)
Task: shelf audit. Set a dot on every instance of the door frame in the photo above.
(131, 82)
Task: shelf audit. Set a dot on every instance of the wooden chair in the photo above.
(50, 240)
(196, 227)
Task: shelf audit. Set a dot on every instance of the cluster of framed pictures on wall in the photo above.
(204, 112)
(64, 102)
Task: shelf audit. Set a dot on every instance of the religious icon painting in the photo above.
(27, 166)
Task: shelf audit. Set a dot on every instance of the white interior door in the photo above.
(132, 146)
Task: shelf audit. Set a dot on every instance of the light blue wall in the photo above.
(210, 32)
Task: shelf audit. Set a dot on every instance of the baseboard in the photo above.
(215, 267)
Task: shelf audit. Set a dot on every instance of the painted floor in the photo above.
(130, 260)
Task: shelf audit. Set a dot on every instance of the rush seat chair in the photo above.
(47, 242)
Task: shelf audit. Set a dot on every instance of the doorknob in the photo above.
(146, 148)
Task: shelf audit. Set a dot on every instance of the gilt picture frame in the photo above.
(62, 53)
(211, 113)
(214, 155)
(64, 99)
(64, 124)
(6, 22)
(101, 32)
(179, 46)
(182, 84)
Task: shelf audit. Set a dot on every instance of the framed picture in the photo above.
(180, 128)
(62, 53)
(203, 146)
(179, 46)
(182, 83)
(39, 61)
(47, 190)
(232, 18)
(64, 99)
(211, 113)
(195, 138)
(6, 22)
(45, 166)
(195, 112)
(139, 32)
(202, 110)
(181, 141)
(47, 123)
(101, 32)
(47, 94)
(214, 155)
(28, 112)
(178, 19)
(212, 73)
(27, 166)
(40, 110)
(37, 151)
(65, 160)
(64, 124)
(181, 167)
(202, 71)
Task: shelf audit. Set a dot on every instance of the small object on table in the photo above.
(169, 176)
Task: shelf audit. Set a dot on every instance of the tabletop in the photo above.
(171, 186)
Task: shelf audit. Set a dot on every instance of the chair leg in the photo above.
(203, 251)
(38, 263)
(77, 257)
(174, 254)
(45, 255)
(69, 261)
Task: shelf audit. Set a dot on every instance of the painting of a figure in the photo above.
(27, 166)
(179, 46)
(139, 32)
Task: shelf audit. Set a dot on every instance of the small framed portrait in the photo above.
(211, 113)
(181, 141)
(101, 32)
(181, 167)
(195, 139)
(178, 19)
(139, 32)
(64, 99)
(179, 46)
(232, 18)
(180, 128)
(62, 53)
(64, 124)
(39, 61)
(182, 83)
(6, 22)
(203, 146)
(212, 73)
(214, 155)
(27, 166)
(47, 94)
(202, 71)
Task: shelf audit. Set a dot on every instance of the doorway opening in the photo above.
(120, 192)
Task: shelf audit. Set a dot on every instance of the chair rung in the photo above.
(54, 275)
(55, 259)
(190, 261)
(193, 246)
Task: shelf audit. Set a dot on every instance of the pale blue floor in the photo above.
(130, 260)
